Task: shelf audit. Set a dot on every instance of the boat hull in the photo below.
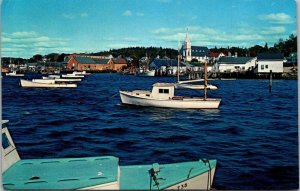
(30, 84)
(176, 102)
(149, 73)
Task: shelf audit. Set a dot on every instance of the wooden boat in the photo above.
(162, 95)
(195, 86)
(98, 173)
(46, 84)
(13, 73)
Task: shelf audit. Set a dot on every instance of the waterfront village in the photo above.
(222, 63)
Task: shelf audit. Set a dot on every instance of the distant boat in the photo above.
(57, 78)
(14, 73)
(72, 76)
(146, 72)
(44, 83)
(98, 173)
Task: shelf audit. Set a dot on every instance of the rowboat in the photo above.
(44, 83)
(98, 173)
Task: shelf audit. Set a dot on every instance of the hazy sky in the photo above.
(46, 26)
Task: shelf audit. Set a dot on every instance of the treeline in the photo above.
(286, 47)
(282, 46)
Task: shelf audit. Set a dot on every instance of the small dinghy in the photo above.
(98, 173)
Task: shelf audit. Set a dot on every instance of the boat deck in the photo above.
(67, 173)
(137, 177)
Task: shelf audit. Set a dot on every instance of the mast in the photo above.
(205, 79)
(178, 64)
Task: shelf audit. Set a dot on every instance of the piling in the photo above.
(270, 82)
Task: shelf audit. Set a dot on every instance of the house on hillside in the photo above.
(267, 62)
(215, 56)
(234, 64)
(189, 52)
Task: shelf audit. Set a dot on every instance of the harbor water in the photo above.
(253, 135)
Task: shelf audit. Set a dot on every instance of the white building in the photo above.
(189, 52)
(234, 64)
(267, 62)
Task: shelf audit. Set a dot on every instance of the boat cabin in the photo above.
(163, 90)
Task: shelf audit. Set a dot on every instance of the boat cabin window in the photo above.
(5, 141)
(163, 91)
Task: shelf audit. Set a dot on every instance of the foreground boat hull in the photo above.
(30, 84)
(181, 102)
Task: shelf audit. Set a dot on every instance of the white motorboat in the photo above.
(62, 79)
(98, 173)
(14, 73)
(81, 73)
(146, 73)
(44, 83)
(72, 76)
(162, 95)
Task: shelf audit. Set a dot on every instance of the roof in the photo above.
(216, 54)
(60, 173)
(200, 51)
(90, 60)
(120, 61)
(277, 56)
(234, 60)
(157, 63)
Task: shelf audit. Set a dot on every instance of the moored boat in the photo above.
(13, 73)
(146, 73)
(98, 173)
(162, 95)
(44, 83)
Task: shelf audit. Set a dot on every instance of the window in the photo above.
(5, 141)
(262, 67)
(163, 91)
(267, 66)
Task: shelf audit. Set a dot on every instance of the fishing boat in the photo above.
(98, 173)
(163, 95)
(13, 73)
(44, 83)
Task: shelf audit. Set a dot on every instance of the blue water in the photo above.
(253, 135)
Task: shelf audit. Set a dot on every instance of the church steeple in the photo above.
(187, 47)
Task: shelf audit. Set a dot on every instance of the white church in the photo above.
(189, 52)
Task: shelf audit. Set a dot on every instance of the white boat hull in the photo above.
(71, 76)
(147, 73)
(30, 84)
(181, 102)
(14, 74)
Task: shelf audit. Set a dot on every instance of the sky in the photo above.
(30, 27)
